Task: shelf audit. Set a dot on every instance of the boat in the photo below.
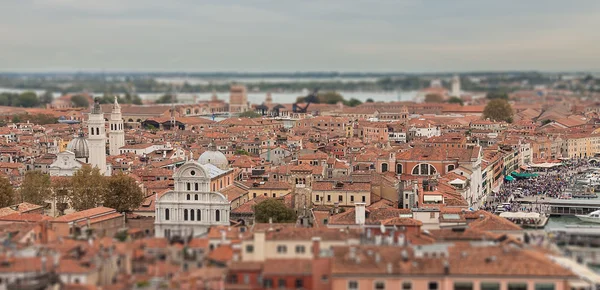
(527, 219)
(593, 217)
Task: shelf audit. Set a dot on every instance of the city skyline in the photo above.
(271, 36)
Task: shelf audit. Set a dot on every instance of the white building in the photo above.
(455, 92)
(191, 208)
(397, 137)
(425, 130)
(65, 164)
(116, 134)
(97, 139)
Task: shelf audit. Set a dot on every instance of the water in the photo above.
(562, 221)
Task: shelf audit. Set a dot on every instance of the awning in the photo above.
(509, 178)
(523, 175)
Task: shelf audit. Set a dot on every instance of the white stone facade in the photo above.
(116, 134)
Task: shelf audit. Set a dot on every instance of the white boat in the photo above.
(593, 217)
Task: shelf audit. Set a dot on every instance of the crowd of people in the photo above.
(548, 184)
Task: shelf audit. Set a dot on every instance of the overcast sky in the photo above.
(280, 35)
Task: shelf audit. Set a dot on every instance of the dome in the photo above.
(214, 157)
(79, 146)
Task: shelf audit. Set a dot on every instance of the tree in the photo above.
(36, 187)
(6, 192)
(250, 114)
(330, 97)
(275, 209)
(498, 110)
(28, 100)
(434, 98)
(80, 101)
(87, 188)
(241, 152)
(122, 193)
(165, 99)
(47, 98)
(369, 100)
(547, 121)
(61, 189)
(353, 102)
(455, 100)
(497, 95)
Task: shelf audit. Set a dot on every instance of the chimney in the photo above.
(359, 213)
(389, 268)
(377, 257)
(446, 267)
(316, 246)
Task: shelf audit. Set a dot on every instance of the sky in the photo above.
(290, 36)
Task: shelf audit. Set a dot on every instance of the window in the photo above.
(189, 186)
(352, 285)
(324, 278)
(340, 198)
(195, 195)
(268, 283)
(249, 248)
(188, 197)
(191, 214)
(379, 285)
(463, 286)
(544, 286)
(199, 214)
(317, 197)
(517, 286)
(185, 215)
(406, 286)
(432, 215)
(192, 173)
(433, 286)
(300, 249)
(196, 186)
(299, 283)
(364, 198)
(274, 195)
(451, 167)
(254, 195)
(167, 214)
(424, 169)
(384, 167)
(398, 168)
(218, 215)
(352, 198)
(328, 198)
(281, 283)
(281, 249)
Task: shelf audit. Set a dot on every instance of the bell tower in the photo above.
(116, 135)
(97, 138)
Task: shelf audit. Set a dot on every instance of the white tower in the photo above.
(116, 135)
(97, 138)
(455, 86)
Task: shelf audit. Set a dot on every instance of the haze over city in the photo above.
(407, 36)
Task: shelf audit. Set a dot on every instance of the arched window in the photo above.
(191, 214)
(450, 167)
(199, 214)
(217, 215)
(196, 186)
(97, 131)
(195, 195)
(185, 215)
(189, 186)
(188, 197)
(167, 214)
(424, 169)
(398, 168)
(384, 167)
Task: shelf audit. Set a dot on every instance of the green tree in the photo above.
(353, 102)
(61, 190)
(36, 187)
(88, 187)
(497, 95)
(250, 114)
(241, 152)
(434, 98)
(16, 119)
(455, 100)
(80, 101)
(28, 100)
(47, 98)
(498, 110)
(122, 193)
(330, 97)
(275, 209)
(6, 192)
(369, 100)
(165, 99)
(547, 121)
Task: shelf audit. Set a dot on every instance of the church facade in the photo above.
(191, 208)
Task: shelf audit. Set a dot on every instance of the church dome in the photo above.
(79, 146)
(214, 157)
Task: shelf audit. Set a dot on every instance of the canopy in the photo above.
(520, 215)
(523, 175)
(509, 178)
